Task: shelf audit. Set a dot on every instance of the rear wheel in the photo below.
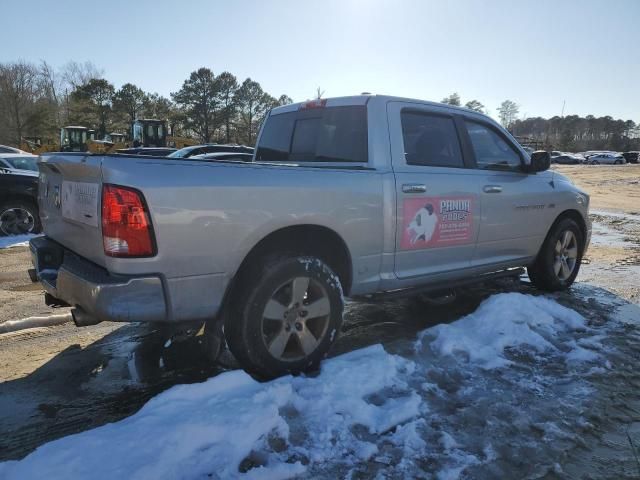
(286, 315)
(558, 261)
(18, 218)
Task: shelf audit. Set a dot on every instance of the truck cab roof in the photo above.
(364, 99)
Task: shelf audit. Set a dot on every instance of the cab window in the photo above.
(491, 150)
(327, 134)
(430, 140)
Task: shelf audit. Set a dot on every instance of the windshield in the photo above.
(23, 163)
(73, 136)
(182, 153)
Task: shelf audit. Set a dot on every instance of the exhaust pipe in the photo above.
(82, 319)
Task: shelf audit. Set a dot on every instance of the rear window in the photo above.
(331, 134)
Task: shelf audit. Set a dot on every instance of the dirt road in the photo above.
(612, 187)
(59, 380)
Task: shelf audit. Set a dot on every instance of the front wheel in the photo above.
(558, 262)
(286, 315)
(595, 162)
(617, 162)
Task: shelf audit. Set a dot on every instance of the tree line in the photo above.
(571, 133)
(37, 99)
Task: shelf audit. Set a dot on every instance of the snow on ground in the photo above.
(432, 406)
(16, 241)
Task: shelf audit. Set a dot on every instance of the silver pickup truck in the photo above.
(352, 196)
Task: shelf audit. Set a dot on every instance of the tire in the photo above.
(285, 316)
(595, 162)
(19, 217)
(617, 162)
(558, 262)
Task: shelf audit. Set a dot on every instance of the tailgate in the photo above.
(69, 201)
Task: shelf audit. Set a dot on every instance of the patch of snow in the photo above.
(191, 431)
(603, 235)
(622, 215)
(367, 414)
(35, 322)
(16, 241)
(507, 320)
(628, 314)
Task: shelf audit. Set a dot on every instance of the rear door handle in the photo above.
(492, 189)
(414, 188)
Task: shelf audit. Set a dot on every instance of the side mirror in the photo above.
(540, 161)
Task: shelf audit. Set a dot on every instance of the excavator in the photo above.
(73, 138)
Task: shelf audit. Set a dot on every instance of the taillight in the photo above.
(126, 226)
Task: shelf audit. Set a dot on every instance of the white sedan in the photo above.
(606, 158)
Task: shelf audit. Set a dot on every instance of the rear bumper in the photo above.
(103, 296)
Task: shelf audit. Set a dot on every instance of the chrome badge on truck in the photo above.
(80, 202)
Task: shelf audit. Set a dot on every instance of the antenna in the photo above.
(563, 104)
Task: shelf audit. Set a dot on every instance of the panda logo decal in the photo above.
(432, 222)
(423, 225)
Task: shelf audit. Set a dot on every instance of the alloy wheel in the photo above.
(295, 319)
(566, 255)
(16, 221)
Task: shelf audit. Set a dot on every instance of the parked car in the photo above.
(224, 156)
(631, 157)
(365, 196)
(147, 151)
(23, 163)
(567, 159)
(8, 149)
(606, 158)
(18, 203)
(194, 150)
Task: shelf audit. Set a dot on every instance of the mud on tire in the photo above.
(284, 316)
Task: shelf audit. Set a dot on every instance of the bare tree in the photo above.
(19, 92)
(508, 112)
(75, 74)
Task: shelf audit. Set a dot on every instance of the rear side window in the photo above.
(491, 150)
(331, 134)
(430, 140)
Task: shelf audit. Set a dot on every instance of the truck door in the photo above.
(437, 204)
(517, 207)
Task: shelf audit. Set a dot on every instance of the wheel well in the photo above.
(307, 240)
(576, 217)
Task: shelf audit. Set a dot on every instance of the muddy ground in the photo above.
(60, 380)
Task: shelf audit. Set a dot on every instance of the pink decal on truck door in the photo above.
(437, 222)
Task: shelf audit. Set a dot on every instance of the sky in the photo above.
(541, 54)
